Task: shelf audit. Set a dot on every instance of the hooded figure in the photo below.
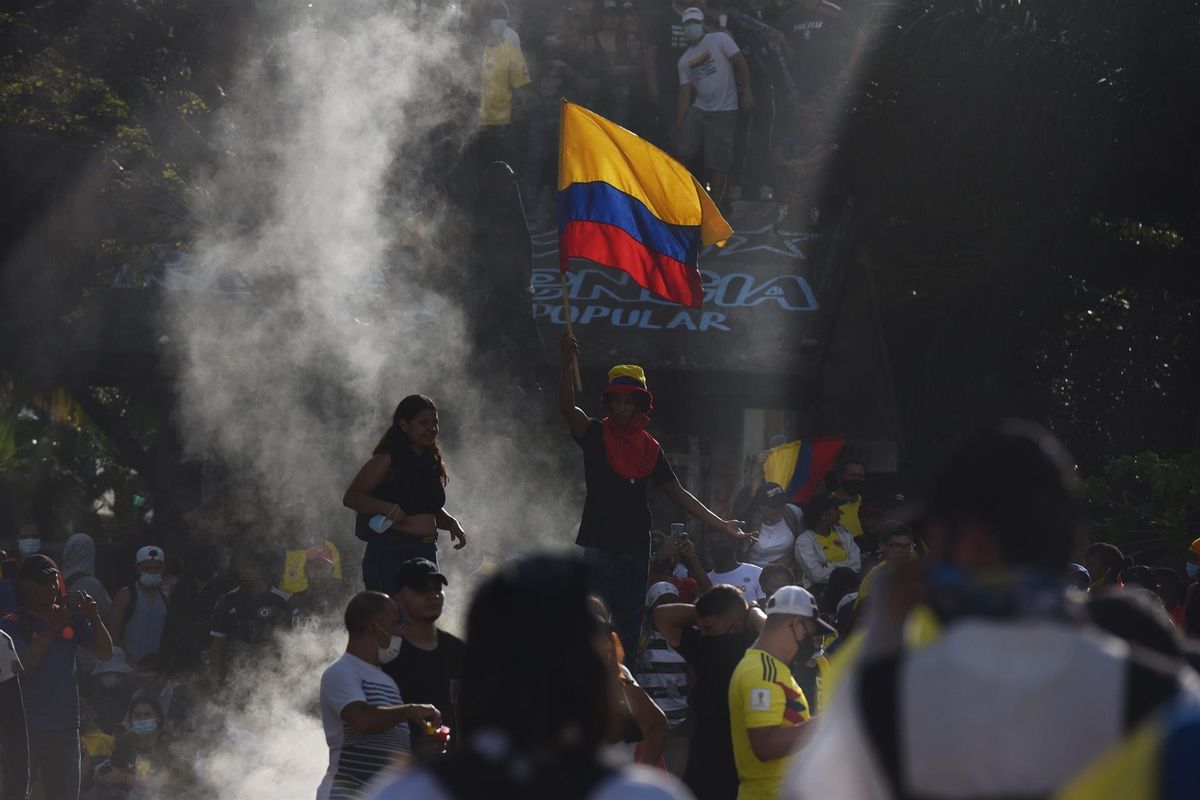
(79, 568)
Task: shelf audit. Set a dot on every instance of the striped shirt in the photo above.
(356, 758)
(663, 674)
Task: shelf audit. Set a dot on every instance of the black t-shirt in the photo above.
(821, 39)
(616, 515)
(431, 676)
(666, 34)
(413, 482)
(251, 619)
(711, 771)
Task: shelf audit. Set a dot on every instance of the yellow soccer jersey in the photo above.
(504, 70)
(762, 694)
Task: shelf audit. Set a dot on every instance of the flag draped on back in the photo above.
(624, 203)
(798, 466)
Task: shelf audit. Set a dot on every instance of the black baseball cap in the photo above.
(37, 568)
(820, 503)
(416, 572)
(772, 494)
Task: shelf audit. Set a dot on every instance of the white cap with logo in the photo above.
(797, 602)
(693, 14)
(150, 553)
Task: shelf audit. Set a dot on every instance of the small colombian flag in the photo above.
(798, 466)
(624, 203)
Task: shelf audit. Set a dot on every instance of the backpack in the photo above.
(133, 599)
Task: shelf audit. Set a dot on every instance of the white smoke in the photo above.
(333, 308)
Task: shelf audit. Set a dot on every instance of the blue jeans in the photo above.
(55, 755)
(380, 560)
(620, 578)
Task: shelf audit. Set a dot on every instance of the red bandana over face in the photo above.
(632, 452)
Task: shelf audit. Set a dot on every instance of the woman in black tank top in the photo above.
(404, 483)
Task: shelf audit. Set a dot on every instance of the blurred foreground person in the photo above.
(365, 719)
(533, 725)
(400, 493)
(1018, 696)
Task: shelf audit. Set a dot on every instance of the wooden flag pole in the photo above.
(570, 330)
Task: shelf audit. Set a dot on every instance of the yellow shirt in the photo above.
(850, 520)
(864, 586)
(762, 694)
(504, 69)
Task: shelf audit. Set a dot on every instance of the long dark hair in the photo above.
(395, 442)
(536, 605)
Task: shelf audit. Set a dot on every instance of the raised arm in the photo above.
(672, 618)
(577, 421)
(363, 718)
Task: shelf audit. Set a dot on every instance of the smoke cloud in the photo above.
(332, 273)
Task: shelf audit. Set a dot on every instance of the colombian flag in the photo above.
(624, 203)
(798, 466)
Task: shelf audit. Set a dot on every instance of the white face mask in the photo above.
(389, 653)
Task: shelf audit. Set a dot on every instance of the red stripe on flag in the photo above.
(611, 246)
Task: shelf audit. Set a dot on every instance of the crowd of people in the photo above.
(744, 664)
(737, 91)
(822, 646)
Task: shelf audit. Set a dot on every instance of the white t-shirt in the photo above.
(992, 699)
(775, 541)
(10, 664)
(630, 783)
(745, 577)
(356, 758)
(706, 67)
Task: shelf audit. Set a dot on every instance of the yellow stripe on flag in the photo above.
(781, 463)
(595, 149)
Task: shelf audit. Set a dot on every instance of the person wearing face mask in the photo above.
(364, 716)
(141, 764)
(767, 709)
(503, 72)
(1191, 596)
(139, 610)
(714, 84)
(852, 478)
(29, 540)
(712, 636)
(108, 690)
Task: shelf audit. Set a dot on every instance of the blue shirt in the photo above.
(8, 597)
(50, 689)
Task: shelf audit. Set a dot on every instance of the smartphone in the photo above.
(677, 529)
(74, 601)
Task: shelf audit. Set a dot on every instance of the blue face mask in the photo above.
(150, 579)
(144, 727)
(1193, 570)
(694, 31)
(28, 547)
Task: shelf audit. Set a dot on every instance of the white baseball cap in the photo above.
(150, 553)
(693, 14)
(799, 603)
(658, 591)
